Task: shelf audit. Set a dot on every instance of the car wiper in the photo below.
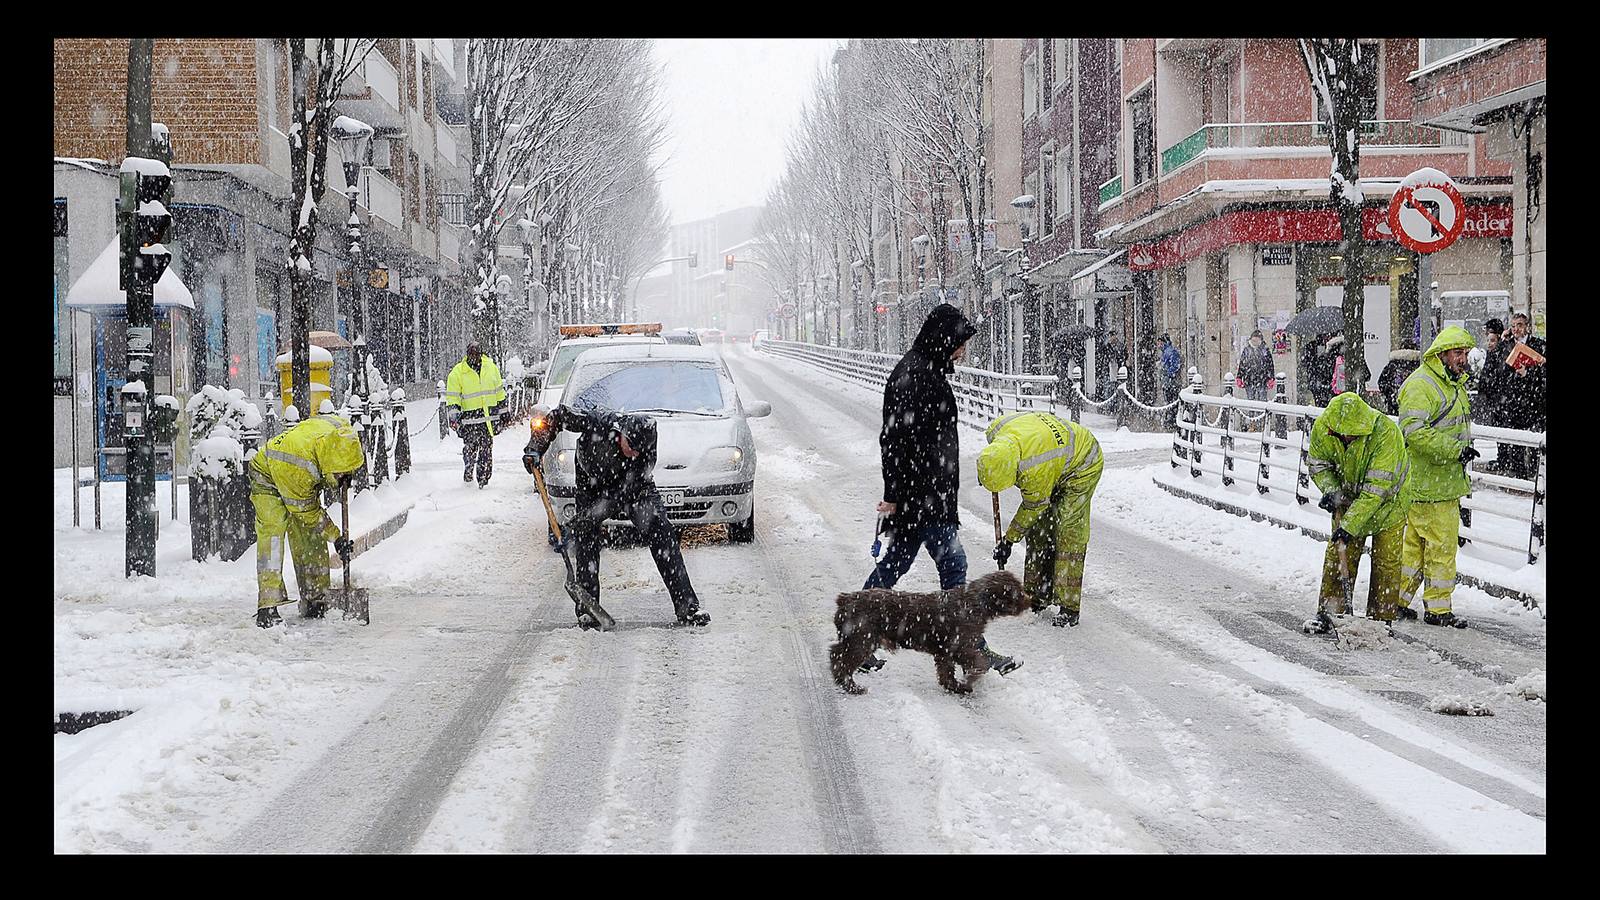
(688, 412)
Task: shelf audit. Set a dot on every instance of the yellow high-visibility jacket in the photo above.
(474, 392)
(1035, 451)
(300, 462)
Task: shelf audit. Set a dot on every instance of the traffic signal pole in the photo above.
(140, 534)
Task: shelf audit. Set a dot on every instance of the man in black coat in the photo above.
(921, 451)
(1522, 399)
(615, 461)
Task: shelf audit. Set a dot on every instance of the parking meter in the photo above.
(134, 409)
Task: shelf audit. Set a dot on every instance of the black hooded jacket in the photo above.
(602, 470)
(920, 444)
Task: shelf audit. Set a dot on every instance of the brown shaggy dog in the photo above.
(948, 624)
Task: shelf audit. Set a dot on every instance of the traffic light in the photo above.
(145, 187)
(728, 262)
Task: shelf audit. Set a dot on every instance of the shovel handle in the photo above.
(344, 526)
(538, 479)
(997, 534)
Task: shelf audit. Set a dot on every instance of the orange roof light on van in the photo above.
(618, 328)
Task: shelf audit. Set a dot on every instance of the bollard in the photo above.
(1121, 405)
(1281, 397)
(1227, 429)
(380, 441)
(444, 424)
(1197, 438)
(1302, 495)
(1075, 399)
(235, 528)
(402, 437)
(271, 429)
(355, 411)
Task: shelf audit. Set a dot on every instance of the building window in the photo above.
(1047, 203)
(1030, 186)
(1144, 137)
(1063, 71)
(1432, 50)
(1064, 185)
(269, 84)
(1030, 86)
(1047, 73)
(1368, 84)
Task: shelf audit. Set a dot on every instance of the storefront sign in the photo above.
(1277, 256)
(1290, 226)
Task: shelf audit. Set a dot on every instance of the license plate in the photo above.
(672, 498)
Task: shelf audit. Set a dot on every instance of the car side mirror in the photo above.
(756, 409)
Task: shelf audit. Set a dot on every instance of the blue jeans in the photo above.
(944, 545)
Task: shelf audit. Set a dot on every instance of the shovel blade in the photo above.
(591, 606)
(352, 602)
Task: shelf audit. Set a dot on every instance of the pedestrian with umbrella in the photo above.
(1319, 356)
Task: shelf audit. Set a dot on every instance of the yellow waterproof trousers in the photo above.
(1387, 581)
(309, 548)
(1057, 543)
(1429, 558)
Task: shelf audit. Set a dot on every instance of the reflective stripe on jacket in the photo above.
(1372, 473)
(1435, 418)
(1037, 451)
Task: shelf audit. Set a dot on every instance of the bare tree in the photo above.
(1340, 81)
(318, 67)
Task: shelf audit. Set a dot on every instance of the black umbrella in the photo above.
(1317, 320)
(1075, 334)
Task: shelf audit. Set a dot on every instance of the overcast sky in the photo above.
(732, 104)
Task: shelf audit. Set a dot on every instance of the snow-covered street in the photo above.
(1187, 713)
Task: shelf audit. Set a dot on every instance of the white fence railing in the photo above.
(1510, 511)
(981, 395)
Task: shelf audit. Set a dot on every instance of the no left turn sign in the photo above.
(1427, 213)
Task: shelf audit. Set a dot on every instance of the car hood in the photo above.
(684, 440)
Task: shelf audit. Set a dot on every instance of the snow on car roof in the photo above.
(651, 351)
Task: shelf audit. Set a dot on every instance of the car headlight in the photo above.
(724, 458)
(563, 457)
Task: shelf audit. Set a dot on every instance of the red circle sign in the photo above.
(1427, 217)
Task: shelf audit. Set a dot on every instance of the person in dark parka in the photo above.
(920, 447)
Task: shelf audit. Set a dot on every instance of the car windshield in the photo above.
(656, 386)
(567, 353)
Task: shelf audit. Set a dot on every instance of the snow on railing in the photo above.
(981, 395)
(1513, 506)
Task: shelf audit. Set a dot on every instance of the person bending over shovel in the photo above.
(1358, 460)
(616, 460)
(285, 479)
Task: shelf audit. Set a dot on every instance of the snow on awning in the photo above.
(98, 285)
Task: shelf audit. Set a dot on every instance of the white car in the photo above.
(705, 454)
(559, 367)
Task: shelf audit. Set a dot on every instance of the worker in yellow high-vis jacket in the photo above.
(1436, 419)
(286, 478)
(471, 394)
(1057, 465)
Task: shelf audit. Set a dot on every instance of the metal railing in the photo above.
(1508, 507)
(981, 396)
(1374, 133)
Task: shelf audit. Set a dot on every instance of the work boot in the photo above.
(1405, 613)
(1067, 618)
(695, 618)
(466, 477)
(587, 622)
(1004, 665)
(1322, 624)
(1445, 618)
(873, 664)
(268, 617)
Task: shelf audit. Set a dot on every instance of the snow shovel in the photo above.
(997, 534)
(574, 590)
(353, 601)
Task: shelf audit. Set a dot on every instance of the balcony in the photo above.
(444, 140)
(382, 197)
(1309, 137)
(1111, 190)
(450, 242)
(372, 93)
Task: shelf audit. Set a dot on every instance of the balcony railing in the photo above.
(445, 141)
(453, 207)
(1111, 190)
(382, 196)
(450, 242)
(382, 78)
(1262, 135)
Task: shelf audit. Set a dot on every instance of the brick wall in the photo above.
(203, 89)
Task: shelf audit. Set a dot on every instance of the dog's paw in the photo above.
(959, 688)
(850, 687)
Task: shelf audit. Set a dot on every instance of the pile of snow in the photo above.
(1457, 705)
(218, 420)
(514, 370)
(1529, 686)
(1351, 633)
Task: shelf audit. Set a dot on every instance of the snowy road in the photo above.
(1187, 713)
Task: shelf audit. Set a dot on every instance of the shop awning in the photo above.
(98, 286)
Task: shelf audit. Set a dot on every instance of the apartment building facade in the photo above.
(1220, 199)
(226, 103)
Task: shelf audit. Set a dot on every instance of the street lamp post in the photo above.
(353, 137)
(1025, 202)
